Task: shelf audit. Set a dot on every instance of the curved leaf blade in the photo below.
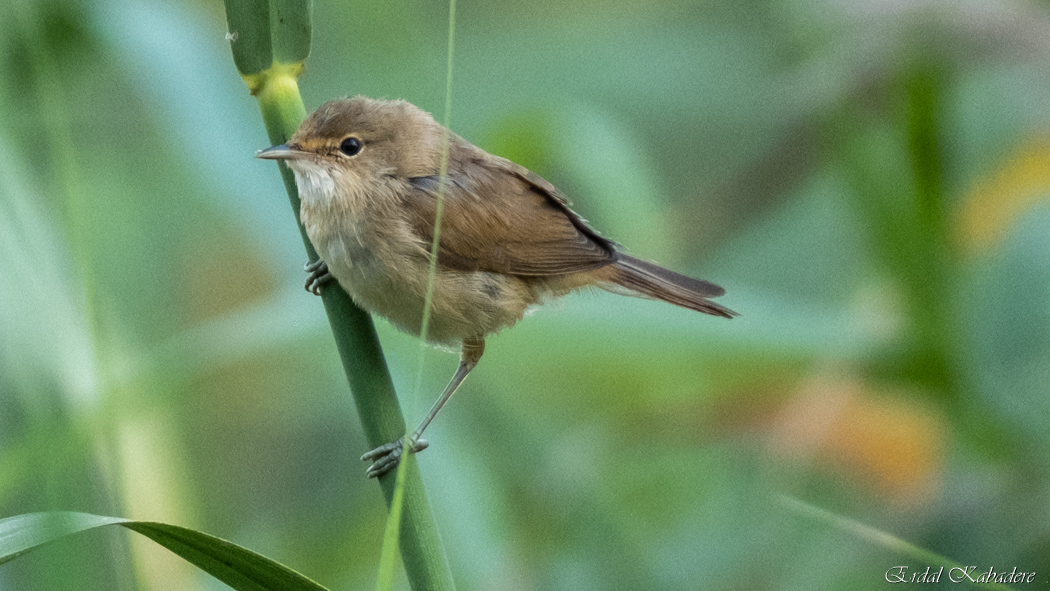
(234, 565)
(22, 533)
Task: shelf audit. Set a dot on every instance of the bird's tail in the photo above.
(653, 281)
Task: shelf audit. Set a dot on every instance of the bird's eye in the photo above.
(351, 146)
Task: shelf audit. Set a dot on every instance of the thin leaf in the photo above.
(874, 535)
(238, 567)
(385, 579)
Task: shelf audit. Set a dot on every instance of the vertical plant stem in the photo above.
(362, 357)
(935, 278)
(933, 296)
(270, 43)
(896, 162)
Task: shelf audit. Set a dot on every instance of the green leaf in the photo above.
(872, 534)
(391, 536)
(262, 34)
(238, 567)
(290, 25)
(249, 35)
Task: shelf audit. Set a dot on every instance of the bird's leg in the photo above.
(385, 457)
(319, 275)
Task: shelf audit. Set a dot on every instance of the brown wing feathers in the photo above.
(495, 220)
(526, 228)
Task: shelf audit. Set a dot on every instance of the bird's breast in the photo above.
(383, 265)
(349, 232)
(360, 251)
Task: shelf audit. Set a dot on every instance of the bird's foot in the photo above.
(386, 457)
(319, 275)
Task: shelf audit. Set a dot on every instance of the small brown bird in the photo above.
(368, 173)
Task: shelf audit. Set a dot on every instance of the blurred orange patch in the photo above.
(890, 445)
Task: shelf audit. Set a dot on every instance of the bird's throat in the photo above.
(315, 182)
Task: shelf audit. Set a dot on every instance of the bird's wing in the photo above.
(503, 218)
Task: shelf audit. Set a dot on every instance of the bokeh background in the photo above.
(868, 180)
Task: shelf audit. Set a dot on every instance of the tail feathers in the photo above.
(653, 281)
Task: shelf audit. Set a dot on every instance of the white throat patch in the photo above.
(315, 182)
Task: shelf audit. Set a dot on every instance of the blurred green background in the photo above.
(868, 180)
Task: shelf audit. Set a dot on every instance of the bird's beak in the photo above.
(281, 152)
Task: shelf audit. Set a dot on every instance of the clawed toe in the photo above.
(386, 457)
(319, 276)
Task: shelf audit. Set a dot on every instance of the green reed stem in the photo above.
(278, 34)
